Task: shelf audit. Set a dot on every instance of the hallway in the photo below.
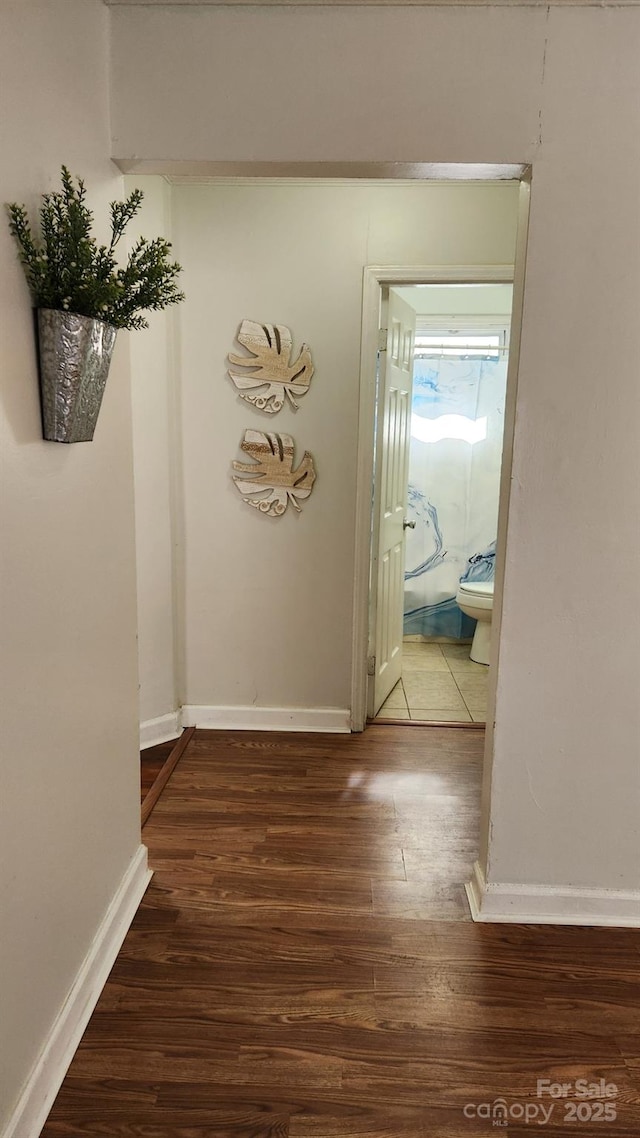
(303, 964)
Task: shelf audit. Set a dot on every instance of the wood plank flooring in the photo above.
(304, 966)
(152, 760)
(164, 773)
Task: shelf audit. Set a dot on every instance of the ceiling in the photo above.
(458, 300)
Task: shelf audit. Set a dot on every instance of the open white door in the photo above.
(392, 464)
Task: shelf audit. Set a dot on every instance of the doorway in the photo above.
(436, 459)
(460, 336)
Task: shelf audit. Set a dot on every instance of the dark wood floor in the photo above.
(303, 964)
(152, 760)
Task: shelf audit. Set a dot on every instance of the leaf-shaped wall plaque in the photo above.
(270, 479)
(268, 374)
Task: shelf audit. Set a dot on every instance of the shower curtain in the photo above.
(454, 476)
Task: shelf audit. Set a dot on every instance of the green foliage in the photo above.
(67, 269)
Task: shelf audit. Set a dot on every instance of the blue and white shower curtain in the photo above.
(454, 478)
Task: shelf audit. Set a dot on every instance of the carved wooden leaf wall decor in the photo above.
(270, 479)
(268, 374)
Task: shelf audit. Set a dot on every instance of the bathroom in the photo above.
(457, 419)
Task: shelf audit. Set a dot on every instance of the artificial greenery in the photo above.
(67, 269)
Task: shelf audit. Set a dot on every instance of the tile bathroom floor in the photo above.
(439, 682)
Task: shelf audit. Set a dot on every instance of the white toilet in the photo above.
(475, 598)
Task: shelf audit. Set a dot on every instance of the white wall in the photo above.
(557, 87)
(269, 602)
(321, 84)
(566, 797)
(70, 796)
(156, 458)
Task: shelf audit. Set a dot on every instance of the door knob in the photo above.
(406, 524)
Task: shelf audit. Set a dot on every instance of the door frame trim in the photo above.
(375, 279)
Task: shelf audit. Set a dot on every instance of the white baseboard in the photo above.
(333, 719)
(160, 730)
(551, 905)
(44, 1082)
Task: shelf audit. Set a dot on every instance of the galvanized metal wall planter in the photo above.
(82, 297)
(75, 353)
